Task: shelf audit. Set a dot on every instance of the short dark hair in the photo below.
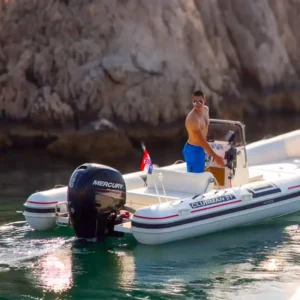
(198, 93)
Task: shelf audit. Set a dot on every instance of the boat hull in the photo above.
(39, 209)
(152, 236)
(40, 221)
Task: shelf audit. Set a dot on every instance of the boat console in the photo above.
(227, 138)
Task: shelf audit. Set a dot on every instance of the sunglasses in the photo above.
(198, 102)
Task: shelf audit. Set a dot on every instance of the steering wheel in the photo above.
(208, 161)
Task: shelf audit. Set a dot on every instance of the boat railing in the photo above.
(62, 216)
(209, 181)
(160, 177)
(214, 179)
(160, 187)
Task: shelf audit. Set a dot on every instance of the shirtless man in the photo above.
(196, 124)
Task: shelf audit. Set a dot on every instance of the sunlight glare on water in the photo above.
(15, 247)
(53, 272)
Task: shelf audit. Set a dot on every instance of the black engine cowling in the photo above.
(95, 195)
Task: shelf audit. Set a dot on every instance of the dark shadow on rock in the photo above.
(99, 140)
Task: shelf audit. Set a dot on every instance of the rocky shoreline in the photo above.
(104, 140)
(68, 67)
(96, 141)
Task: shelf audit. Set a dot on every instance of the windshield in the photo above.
(226, 131)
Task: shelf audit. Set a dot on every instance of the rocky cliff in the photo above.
(64, 64)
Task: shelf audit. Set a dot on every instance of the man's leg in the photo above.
(197, 166)
(194, 157)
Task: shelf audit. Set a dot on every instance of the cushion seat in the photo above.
(169, 184)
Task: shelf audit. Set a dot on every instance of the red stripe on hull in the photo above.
(34, 202)
(294, 187)
(162, 218)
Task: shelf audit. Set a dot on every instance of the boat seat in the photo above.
(176, 185)
(194, 183)
(147, 196)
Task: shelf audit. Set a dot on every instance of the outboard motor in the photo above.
(95, 195)
(231, 155)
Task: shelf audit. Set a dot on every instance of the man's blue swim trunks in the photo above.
(194, 157)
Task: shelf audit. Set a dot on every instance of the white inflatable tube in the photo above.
(275, 149)
(40, 206)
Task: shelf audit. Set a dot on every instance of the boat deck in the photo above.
(142, 197)
(285, 169)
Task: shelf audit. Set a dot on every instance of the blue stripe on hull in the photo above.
(40, 210)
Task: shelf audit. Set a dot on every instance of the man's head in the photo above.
(198, 99)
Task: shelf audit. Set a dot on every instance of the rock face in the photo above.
(99, 140)
(72, 62)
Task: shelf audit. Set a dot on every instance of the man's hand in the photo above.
(219, 160)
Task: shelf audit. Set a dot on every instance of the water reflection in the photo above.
(126, 268)
(260, 259)
(271, 265)
(53, 272)
(30, 261)
(99, 269)
(18, 242)
(215, 265)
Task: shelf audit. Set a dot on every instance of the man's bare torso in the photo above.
(199, 121)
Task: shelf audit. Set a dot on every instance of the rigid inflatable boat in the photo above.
(260, 181)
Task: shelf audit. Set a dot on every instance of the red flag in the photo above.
(146, 163)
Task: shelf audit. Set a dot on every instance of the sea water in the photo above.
(256, 262)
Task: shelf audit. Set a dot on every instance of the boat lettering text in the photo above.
(269, 201)
(73, 179)
(216, 146)
(212, 201)
(108, 184)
